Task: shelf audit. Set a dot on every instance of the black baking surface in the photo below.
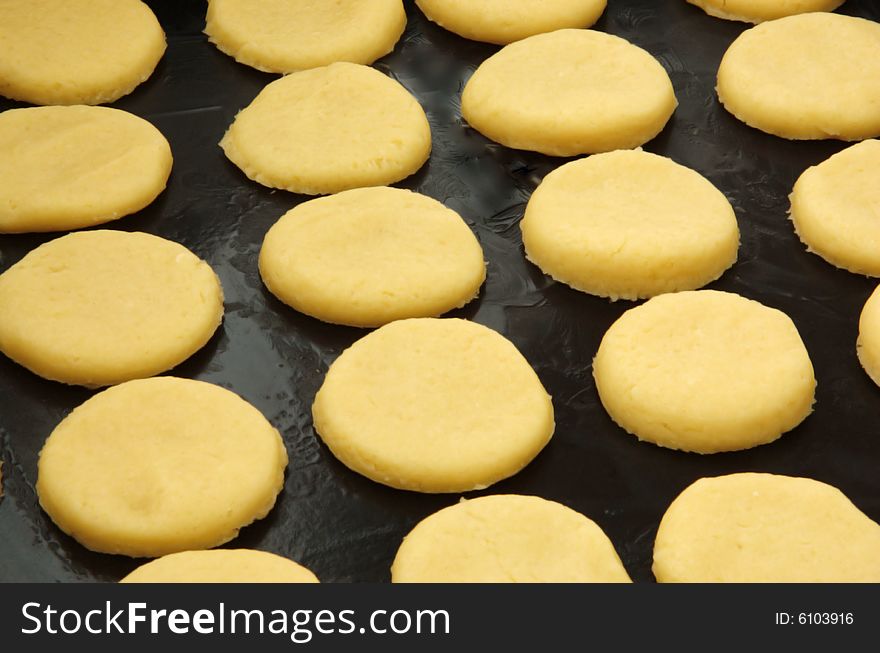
(347, 528)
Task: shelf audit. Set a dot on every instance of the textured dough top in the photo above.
(160, 465)
(368, 256)
(507, 539)
(221, 566)
(629, 224)
(762, 528)
(101, 307)
(569, 92)
(284, 36)
(70, 167)
(705, 371)
(756, 11)
(505, 21)
(770, 79)
(76, 51)
(330, 129)
(836, 208)
(433, 405)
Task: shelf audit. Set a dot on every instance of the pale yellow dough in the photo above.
(868, 343)
(330, 129)
(629, 224)
(704, 371)
(507, 539)
(76, 52)
(221, 566)
(284, 36)
(162, 465)
(368, 256)
(835, 208)
(757, 11)
(764, 528)
(97, 308)
(70, 167)
(792, 77)
(505, 21)
(433, 405)
(569, 92)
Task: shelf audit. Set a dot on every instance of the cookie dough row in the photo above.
(739, 528)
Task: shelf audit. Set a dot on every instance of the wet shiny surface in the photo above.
(346, 528)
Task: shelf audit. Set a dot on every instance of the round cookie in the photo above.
(329, 129)
(834, 208)
(368, 256)
(704, 371)
(284, 36)
(71, 167)
(221, 566)
(433, 405)
(506, 21)
(507, 539)
(771, 81)
(757, 11)
(569, 92)
(83, 52)
(161, 465)
(97, 308)
(629, 224)
(764, 528)
(868, 343)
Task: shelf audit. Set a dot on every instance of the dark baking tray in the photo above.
(347, 528)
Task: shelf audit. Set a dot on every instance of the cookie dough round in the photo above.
(507, 539)
(569, 92)
(868, 343)
(757, 11)
(770, 80)
(433, 405)
(70, 167)
(97, 308)
(285, 36)
(834, 208)
(629, 224)
(704, 371)
(764, 528)
(83, 52)
(506, 21)
(161, 465)
(330, 129)
(221, 566)
(369, 256)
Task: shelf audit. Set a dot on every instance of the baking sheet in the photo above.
(347, 528)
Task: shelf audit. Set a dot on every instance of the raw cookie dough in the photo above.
(835, 208)
(221, 566)
(505, 21)
(793, 77)
(629, 224)
(569, 92)
(764, 528)
(284, 36)
(162, 465)
(507, 539)
(704, 371)
(82, 52)
(369, 256)
(868, 343)
(97, 308)
(433, 405)
(330, 129)
(756, 11)
(70, 167)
